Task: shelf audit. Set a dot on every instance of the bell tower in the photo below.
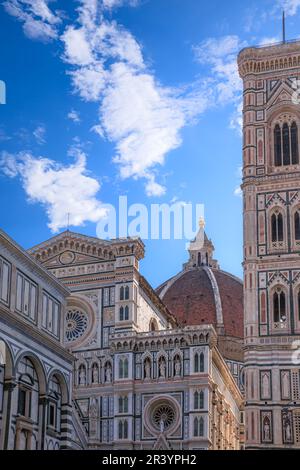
(271, 199)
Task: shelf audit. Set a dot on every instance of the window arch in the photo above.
(277, 226)
(198, 427)
(199, 362)
(286, 145)
(297, 224)
(126, 292)
(122, 293)
(199, 400)
(123, 429)
(279, 306)
(126, 313)
(123, 404)
(123, 368)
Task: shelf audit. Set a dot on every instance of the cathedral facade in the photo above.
(271, 188)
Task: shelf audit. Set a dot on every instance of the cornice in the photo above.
(17, 323)
(36, 268)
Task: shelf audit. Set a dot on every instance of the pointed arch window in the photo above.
(122, 293)
(277, 144)
(126, 313)
(199, 362)
(121, 313)
(199, 400)
(198, 427)
(294, 143)
(297, 224)
(123, 368)
(298, 301)
(277, 227)
(123, 404)
(286, 144)
(126, 292)
(279, 306)
(123, 429)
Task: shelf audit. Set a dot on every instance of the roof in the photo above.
(205, 295)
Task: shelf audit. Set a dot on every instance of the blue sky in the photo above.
(137, 98)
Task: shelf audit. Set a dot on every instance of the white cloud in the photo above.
(289, 6)
(61, 189)
(142, 117)
(226, 85)
(267, 41)
(239, 174)
(39, 22)
(39, 134)
(153, 188)
(77, 48)
(220, 54)
(110, 4)
(74, 115)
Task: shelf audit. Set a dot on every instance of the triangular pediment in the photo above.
(282, 95)
(69, 248)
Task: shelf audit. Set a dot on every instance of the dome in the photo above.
(204, 295)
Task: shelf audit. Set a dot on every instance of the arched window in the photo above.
(199, 362)
(123, 404)
(279, 306)
(123, 429)
(294, 143)
(198, 427)
(199, 259)
(286, 145)
(126, 313)
(122, 293)
(121, 313)
(297, 225)
(277, 145)
(126, 293)
(277, 227)
(123, 368)
(199, 400)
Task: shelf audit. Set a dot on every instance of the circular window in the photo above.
(163, 416)
(76, 324)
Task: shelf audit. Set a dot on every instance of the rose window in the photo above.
(163, 416)
(76, 324)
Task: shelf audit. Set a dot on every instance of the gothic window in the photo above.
(123, 404)
(123, 368)
(279, 306)
(199, 362)
(298, 302)
(126, 313)
(126, 293)
(123, 429)
(199, 400)
(277, 227)
(198, 427)
(122, 293)
(294, 143)
(121, 313)
(297, 224)
(286, 146)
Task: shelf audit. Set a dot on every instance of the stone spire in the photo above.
(201, 250)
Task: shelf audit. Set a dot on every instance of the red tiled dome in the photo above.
(206, 296)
